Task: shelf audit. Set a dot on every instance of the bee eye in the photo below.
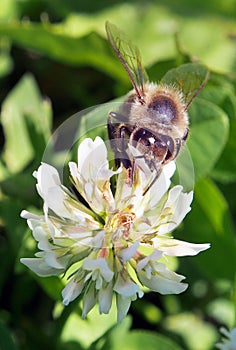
(164, 107)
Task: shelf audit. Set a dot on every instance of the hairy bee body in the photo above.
(153, 117)
(162, 110)
(157, 126)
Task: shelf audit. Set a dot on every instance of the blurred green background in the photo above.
(55, 61)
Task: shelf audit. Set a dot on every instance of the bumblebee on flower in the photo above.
(114, 244)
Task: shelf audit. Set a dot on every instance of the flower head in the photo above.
(228, 340)
(118, 241)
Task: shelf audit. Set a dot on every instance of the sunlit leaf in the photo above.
(199, 334)
(139, 340)
(5, 64)
(114, 337)
(209, 128)
(99, 324)
(26, 121)
(222, 310)
(89, 49)
(8, 9)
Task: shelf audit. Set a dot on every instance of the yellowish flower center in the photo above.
(120, 221)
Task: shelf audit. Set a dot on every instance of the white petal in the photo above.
(174, 247)
(50, 189)
(123, 305)
(162, 280)
(156, 255)
(39, 266)
(161, 284)
(125, 287)
(54, 260)
(71, 291)
(182, 206)
(73, 170)
(89, 300)
(179, 205)
(97, 241)
(40, 234)
(47, 177)
(92, 176)
(101, 265)
(92, 159)
(228, 341)
(162, 184)
(105, 299)
(27, 215)
(180, 202)
(127, 253)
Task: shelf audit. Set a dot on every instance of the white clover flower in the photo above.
(115, 244)
(229, 339)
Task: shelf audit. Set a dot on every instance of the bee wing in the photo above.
(190, 78)
(129, 56)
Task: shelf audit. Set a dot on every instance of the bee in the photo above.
(154, 117)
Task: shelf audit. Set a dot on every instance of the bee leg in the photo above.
(133, 166)
(111, 129)
(158, 171)
(118, 140)
(122, 144)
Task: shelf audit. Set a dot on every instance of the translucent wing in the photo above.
(129, 56)
(190, 78)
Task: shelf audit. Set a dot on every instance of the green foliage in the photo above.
(57, 51)
(26, 121)
(6, 341)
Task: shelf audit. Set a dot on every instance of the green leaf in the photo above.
(196, 333)
(51, 285)
(26, 120)
(6, 339)
(87, 49)
(112, 339)
(5, 64)
(210, 221)
(212, 203)
(225, 170)
(211, 42)
(99, 324)
(8, 9)
(20, 186)
(209, 128)
(221, 91)
(189, 78)
(139, 340)
(14, 225)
